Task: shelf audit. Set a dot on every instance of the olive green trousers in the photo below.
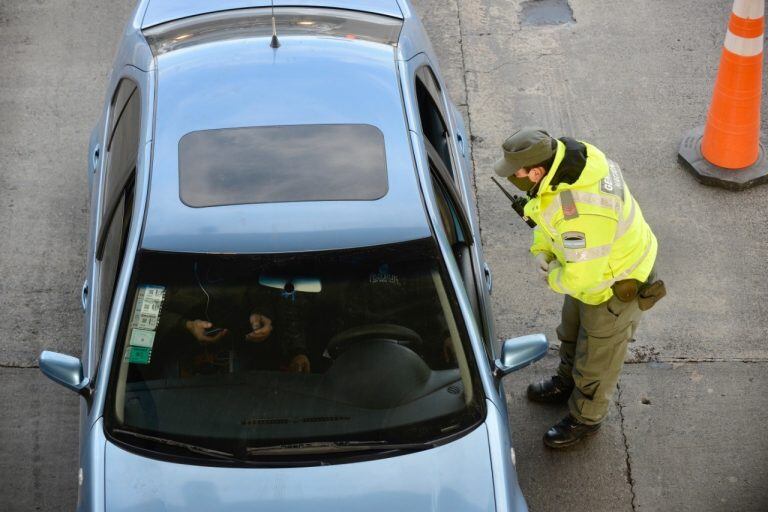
(593, 344)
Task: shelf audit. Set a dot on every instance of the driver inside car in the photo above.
(225, 322)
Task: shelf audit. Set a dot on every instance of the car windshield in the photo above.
(308, 353)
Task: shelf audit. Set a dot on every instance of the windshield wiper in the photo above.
(322, 447)
(202, 450)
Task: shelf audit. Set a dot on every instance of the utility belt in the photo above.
(648, 293)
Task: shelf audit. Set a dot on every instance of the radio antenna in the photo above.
(275, 44)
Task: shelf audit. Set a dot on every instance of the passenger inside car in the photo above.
(216, 318)
(224, 316)
(374, 324)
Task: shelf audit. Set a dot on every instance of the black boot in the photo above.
(568, 432)
(550, 391)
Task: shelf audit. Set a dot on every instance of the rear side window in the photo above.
(272, 164)
(123, 145)
(432, 120)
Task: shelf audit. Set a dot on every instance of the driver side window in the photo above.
(117, 198)
(457, 230)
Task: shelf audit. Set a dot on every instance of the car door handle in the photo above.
(488, 277)
(84, 295)
(460, 141)
(95, 157)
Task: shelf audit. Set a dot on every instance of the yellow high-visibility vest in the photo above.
(594, 227)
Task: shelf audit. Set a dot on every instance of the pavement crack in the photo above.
(689, 360)
(20, 366)
(630, 480)
(469, 116)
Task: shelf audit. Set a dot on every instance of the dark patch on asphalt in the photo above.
(643, 354)
(546, 12)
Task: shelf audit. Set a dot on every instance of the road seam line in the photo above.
(464, 72)
(630, 480)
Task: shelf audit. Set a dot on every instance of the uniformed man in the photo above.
(592, 245)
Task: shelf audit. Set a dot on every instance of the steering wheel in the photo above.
(383, 332)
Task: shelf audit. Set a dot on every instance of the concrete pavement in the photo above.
(694, 435)
(630, 77)
(54, 62)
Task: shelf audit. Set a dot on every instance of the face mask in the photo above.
(523, 184)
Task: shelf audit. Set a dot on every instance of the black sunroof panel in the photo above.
(274, 164)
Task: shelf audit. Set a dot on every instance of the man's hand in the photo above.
(299, 364)
(197, 329)
(541, 261)
(262, 328)
(552, 265)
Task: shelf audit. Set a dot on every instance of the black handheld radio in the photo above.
(518, 204)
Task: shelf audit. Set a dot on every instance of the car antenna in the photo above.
(274, 44)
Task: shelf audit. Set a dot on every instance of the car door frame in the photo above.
(466, 188)
(460, 183)
(95, 350)
(421, 167)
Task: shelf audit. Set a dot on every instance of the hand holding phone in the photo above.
(204, 332)
(213, 331)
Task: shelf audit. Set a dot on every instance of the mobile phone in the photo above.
(213, 331)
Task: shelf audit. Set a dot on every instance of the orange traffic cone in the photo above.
(726, 152)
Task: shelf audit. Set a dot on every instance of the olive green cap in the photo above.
(527, 146)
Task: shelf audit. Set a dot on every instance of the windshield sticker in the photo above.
(149, 302)
(144, 320)
(384, 276)
(138, 355)
(142, 338)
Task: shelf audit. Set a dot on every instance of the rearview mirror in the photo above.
(519, 352)
(291, 284)
(65, 370)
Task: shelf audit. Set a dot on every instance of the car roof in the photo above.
(309, 80)
(163, 11)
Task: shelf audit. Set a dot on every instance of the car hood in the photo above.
(453, 477)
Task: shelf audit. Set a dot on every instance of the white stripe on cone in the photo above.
(749, 9)
(743, 46)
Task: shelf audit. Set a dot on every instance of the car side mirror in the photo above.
(519, 352)
(65, 370)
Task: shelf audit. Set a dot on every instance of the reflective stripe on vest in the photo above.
(610, 202)
(590, 253)
(608, 283)
(625, 224)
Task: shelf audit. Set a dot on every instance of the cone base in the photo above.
(710, 174)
